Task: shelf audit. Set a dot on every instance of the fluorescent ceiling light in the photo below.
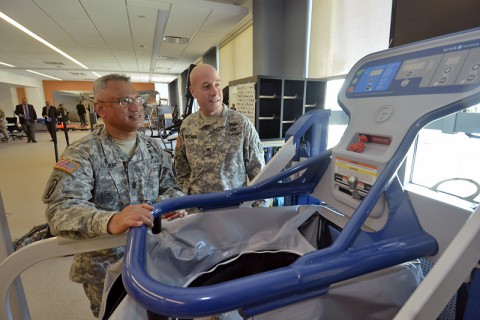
(96, 74)
(6, 64)
(43, 75)
(33, 35)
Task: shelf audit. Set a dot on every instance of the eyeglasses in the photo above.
(127, 101)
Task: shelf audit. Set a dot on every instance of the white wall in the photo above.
(6, 99)
(162, 89)
(33, 91)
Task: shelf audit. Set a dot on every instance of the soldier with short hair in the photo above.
(107, 181)
(217, 148)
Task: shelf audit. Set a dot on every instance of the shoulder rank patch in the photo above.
(66, 165)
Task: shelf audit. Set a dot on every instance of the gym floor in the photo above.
(24, 171)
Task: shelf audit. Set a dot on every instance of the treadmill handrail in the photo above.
(309, 273)
(42, 250)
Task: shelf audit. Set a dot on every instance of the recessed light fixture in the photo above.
(165, 58)
(96, 74)
(176, 40)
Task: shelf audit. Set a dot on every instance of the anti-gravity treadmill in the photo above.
(364, 222)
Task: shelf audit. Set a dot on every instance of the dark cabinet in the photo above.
(274, 104)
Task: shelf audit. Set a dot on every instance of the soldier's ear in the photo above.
(192, 91)
(99, 108)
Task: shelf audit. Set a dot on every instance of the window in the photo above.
(338, 119)
(448, 162)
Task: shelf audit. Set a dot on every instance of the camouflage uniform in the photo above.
(217, 157)
(94, 180)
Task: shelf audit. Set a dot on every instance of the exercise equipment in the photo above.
(389, 96)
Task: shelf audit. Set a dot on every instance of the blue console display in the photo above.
(377, 78)
(446, 69)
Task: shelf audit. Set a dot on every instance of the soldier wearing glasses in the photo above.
(107, 181)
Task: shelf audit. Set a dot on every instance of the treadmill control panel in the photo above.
(389, 96)
(445, 69)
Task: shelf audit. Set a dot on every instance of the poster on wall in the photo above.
(246, 100)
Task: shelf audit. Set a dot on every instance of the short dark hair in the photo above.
(100, 83)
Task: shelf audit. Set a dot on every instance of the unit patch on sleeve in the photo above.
(66, 166)
(51, 188)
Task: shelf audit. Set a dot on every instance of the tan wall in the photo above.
(21, 94)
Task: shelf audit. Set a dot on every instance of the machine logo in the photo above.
(383, 114)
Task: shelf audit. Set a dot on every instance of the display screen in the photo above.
(376, 78)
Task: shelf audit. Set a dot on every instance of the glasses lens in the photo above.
(140, 100)
(125, 101)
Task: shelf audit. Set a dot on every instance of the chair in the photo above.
(16, 131)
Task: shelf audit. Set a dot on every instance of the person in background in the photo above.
(49, 113)
(81, 114)
(62, 113)
(217, 148)
(107, 181)
(28, 117)
(3, 127)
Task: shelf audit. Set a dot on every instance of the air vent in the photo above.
(78, 74)
(162, 69)
(176, 40)
(166, 58)
(54, 63)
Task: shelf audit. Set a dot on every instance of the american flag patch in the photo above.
(66, 165)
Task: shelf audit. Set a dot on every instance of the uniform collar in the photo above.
(111, 149)
(221, 119)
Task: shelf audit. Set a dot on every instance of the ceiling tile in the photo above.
(113, 35)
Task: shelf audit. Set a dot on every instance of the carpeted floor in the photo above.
(24, 171)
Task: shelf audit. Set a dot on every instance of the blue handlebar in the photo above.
(311, 274)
